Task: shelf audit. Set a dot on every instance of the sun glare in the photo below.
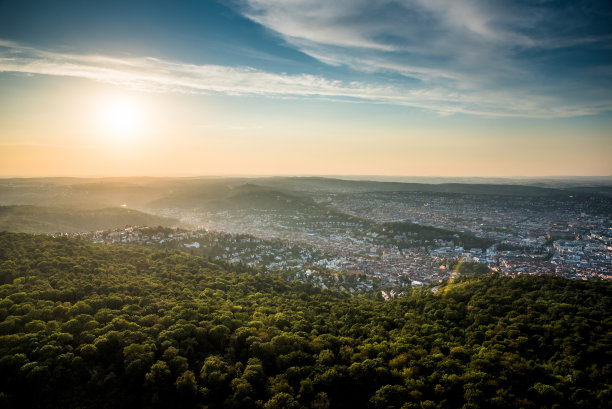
(122, 118)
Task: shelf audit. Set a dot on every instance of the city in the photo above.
(390, 239)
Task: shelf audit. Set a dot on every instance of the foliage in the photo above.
(408, 232)
(470, 268)
(89, 326)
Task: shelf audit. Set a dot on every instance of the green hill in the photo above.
(411, 231)
(37, 219)
(90, 326)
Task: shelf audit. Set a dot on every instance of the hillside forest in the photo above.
(90, 325)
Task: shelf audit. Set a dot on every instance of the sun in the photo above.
(121, 118)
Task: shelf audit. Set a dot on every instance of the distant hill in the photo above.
(320, 184)
(38, 219)
(594, 190)
(83, 193)
(230, 196)
(145, 193)
(562, 182)
(257, 197)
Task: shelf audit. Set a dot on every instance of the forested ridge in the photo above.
(47, 219)
(87, 325)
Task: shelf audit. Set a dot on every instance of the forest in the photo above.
(406, 232)
(107, 326)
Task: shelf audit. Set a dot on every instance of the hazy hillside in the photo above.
(314, 184)
(226, 196)
(37, 219)
(90, 326)
(84, 193)
(142, 193)
(594, 190)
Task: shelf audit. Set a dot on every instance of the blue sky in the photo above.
(448, 67)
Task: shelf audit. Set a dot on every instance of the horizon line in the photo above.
(299, 175)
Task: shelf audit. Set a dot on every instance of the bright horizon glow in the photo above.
(308, 87)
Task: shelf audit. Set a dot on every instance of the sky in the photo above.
(306, 87)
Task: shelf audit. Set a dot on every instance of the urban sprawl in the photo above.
(355, 245)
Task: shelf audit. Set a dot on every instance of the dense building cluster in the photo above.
(518, 235)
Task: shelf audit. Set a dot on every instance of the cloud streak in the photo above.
(488, 53)
(155, 75)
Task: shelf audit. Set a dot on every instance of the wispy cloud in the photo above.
(155, 75)
(482, 54)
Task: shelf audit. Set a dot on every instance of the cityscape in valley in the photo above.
(379, 235)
